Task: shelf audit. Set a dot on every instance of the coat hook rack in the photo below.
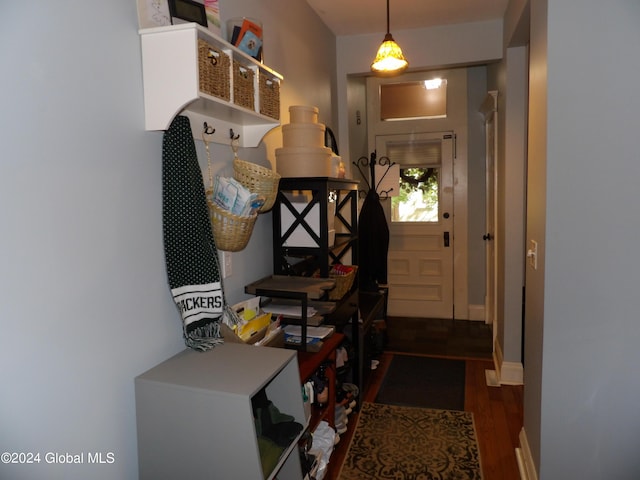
(208, 130)
(364, 162)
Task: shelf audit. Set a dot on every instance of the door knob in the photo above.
(487, 236)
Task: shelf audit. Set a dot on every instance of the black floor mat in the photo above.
(426, 382)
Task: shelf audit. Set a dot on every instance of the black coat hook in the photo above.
(208, 130)
(233, 136)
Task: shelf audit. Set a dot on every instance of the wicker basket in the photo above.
(213, 71)
(243, 91)
(230, 232)
(257, 179)
(269, 90)
(343, 283)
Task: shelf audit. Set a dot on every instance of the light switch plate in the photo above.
(225, 264)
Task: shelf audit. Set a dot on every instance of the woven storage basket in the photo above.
(230, 232)
(343, 283)
(269, 90)
(213, 66)
(257, 179)
(243, 91)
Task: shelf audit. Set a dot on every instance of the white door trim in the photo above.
(489, 110)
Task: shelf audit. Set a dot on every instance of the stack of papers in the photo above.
(290, 311)
(312, 332)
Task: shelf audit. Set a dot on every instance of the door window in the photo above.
(418, 196)
(417, 200)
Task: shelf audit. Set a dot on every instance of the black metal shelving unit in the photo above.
(291, 259)
(311, 218)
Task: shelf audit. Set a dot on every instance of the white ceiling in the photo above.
(355, 17)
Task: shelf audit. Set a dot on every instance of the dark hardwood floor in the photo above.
(437, 337)
(497, 410)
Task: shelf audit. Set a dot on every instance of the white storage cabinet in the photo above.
(195, 418)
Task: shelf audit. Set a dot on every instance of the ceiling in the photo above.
(355, 17)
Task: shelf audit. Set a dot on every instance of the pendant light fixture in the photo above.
(389, 59)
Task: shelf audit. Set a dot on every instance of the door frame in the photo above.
(489, 110)
(456, 121)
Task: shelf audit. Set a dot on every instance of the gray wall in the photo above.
(476, 184)
(84, 300)
(582, 334)
(510, 78)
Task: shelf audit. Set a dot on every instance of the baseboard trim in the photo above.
(508, 373)
(525, 459)
(511, 373)
(476, 312)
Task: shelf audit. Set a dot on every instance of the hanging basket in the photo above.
(230, 232)
(257, 179)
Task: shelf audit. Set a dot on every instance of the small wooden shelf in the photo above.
(308, 363)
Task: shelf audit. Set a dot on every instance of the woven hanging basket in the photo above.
(257, 179)
(230, 232)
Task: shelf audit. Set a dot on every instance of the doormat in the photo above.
(426, 382)
(406, 443)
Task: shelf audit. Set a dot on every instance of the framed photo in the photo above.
(185, 11)
(159, 13)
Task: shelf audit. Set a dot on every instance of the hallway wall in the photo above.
(581, 381)
(84, 300)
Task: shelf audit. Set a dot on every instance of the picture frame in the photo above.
(186, 11)
(160, 13)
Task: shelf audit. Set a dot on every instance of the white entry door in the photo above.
(420, 217)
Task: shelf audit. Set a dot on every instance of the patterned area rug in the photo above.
(409, 443)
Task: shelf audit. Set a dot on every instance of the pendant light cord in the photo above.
(388, 31)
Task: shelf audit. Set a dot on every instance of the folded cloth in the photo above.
(269, 454)
(191, 256)
(271, 423)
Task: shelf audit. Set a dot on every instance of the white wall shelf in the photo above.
(171, 86)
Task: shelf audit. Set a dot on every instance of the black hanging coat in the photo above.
(373, 238)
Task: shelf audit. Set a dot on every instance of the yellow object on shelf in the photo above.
(252, 327)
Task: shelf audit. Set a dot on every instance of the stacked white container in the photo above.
(303, 153)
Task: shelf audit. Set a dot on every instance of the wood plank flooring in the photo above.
(497, 414)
